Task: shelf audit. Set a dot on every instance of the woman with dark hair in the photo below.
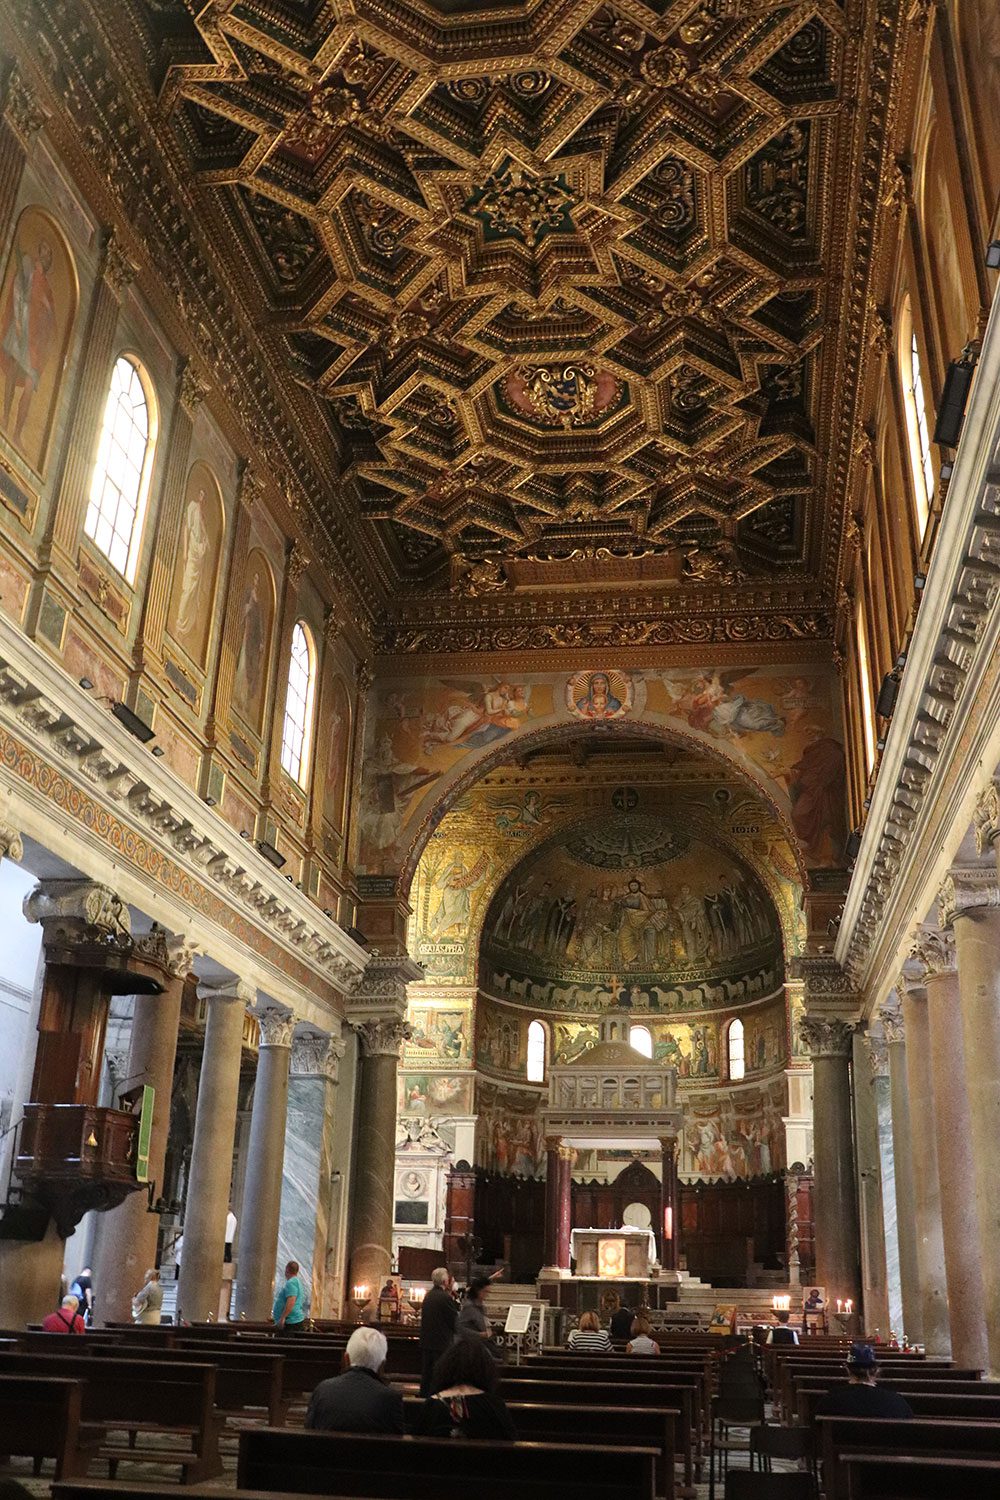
(465, 1402)
(472, 1314)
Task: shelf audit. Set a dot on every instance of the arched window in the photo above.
(536, 1052)
(641, 1038)
(296, 732)
(120, 485)
(918, 433)
(867, 703)
(734, 1051)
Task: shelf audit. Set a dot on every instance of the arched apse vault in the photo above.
(776, 729)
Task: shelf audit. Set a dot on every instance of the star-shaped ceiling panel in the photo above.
(556, 270)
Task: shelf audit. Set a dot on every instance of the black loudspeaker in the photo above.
(853, 845)
(887, 695)
(951, 413)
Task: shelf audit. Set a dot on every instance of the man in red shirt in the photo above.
(66, 1320)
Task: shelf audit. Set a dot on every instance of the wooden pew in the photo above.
(599, 1368)
(791, 1371)
(592, 1393)
(39, 1419)
(926, 1398)
(415, 1468)
(876, 1436)
(911, 1477)
(155, 1397)
(630, 1426)
(247, 1383)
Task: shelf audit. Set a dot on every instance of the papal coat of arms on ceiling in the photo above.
(562, 395)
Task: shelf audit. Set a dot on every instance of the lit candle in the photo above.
(840, 1305)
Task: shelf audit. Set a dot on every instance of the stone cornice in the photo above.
(945, 730)
(380, 992)
(59, 748)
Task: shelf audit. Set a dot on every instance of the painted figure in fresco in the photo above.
(477, 716)
(195, 544)
(392, 784)
(598, 702)
(452, 1031)
(26, 334)
(248, 679)
(817, 791)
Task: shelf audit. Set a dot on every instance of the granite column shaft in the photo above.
(265, 1158)
(931, 1273)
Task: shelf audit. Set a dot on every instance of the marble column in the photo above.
(307, 1179)
(372, 1217)
(835, 1210)
(970, 905)
(669, 1204)
(261, 1209)
(926, 1181)
(565, 1228)
(874, 1280)
(553, 1184)
(935, 950)
(126, 1238)
(209, 1177)
(903, 1172)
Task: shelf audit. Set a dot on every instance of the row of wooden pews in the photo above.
(954, 1437)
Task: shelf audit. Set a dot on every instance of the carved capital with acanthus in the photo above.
(275, 1027)
(193, 388)
(78, 911)
(317, 1056)
(119, 269)
(827, 1036)
(987, 818)
(893, 1025)
(382, 1038)
(878, 1055)
(11, 846)
(934, 950)
(967, 893)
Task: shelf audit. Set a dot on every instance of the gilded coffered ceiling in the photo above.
(571, 284)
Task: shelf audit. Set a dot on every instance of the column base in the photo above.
(554, 1273)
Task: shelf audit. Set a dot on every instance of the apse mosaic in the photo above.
(630, 908)
(777, 723)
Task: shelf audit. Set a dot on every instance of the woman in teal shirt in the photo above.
(289, 1310)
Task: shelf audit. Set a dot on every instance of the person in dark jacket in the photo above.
(465, 1402)
(782, 1333)
(862, 1397)
(438, 1316)
(359, 1400)
(621, 1323)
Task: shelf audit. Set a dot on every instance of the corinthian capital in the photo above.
(382, 1038)
(78, 911)
(275, 1028)
(317, 1056)
(965, 893)
(878, 1055)
(987, 818)
(935, 950)
(893, 1026)
(826, 1036)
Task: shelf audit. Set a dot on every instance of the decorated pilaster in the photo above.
(670, 1225)
(377, 1014)
(927, 1183)
(212, 1152)
(934, 951)
(262, 1187)
(308, 1183)
(126, 1238)
(827, 1029)
(970, 906)
(894, 1031)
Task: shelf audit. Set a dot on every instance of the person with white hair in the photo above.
(67, 1319)
(438, 1317)
(359, 1400)
(147, 1303)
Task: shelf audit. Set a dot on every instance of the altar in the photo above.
(613, 1254)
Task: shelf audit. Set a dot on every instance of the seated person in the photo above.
(640, 1342)
(590, 1337)
(862, 1397)
(67, 1319)
(621, 1322)
(464, 1402)
(360, 1400)
(781, 1333)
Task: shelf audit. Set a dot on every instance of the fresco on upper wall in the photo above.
(737, 1134)
(437, 1036)
(509, 1136)
(434, 1094)
(630, 910)
(38, 303)
(336, 731)
(196, 565)
(253, 651)
(779, 723)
